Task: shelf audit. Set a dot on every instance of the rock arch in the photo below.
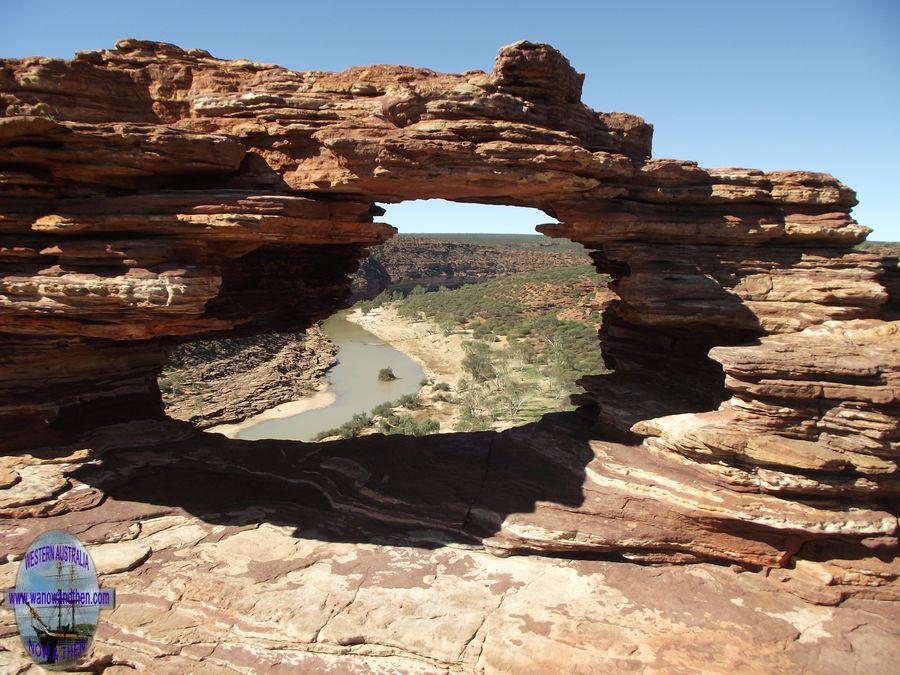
(151, 195)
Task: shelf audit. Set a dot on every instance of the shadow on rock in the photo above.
(419, 491)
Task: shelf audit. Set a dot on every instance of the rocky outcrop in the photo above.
(108, 296)
(890, 255)
(224, 559)
(212, 382)
(153, 196)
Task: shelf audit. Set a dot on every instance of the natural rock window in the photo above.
(751, 414)
(501, 325)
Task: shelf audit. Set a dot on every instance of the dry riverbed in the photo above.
(439, 355)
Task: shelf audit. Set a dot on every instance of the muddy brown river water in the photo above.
(354, 382)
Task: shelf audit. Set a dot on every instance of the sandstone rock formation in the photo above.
(152, 195)
(212, 382)
(222, 562)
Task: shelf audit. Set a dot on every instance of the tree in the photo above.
(512, 395)
(447, 326)
(477, 361)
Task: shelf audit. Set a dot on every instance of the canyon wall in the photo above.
(152, 195)
(213, 382)
(407, 261)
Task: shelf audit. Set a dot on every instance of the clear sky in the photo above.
(803, 84)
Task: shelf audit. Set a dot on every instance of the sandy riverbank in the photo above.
(217, 383)
(439, 355)
(322, 398)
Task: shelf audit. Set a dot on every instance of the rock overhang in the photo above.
(152, 195)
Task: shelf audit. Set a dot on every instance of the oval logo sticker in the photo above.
(57, 600)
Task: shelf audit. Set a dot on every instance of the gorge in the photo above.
(353, 384)
(223, 382)
(153, 196)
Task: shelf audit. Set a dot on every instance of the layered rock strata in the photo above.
(152, 195)
(213, 382)
(363, 556)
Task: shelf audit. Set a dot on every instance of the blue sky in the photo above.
(771, 85)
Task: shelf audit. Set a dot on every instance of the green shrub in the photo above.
(325, 434)
(357, 424)
(407, 426)
(480, 330)
(166, 385)
(410, 401)
(427, 426)
(471, 421)
(386, 375)
(383, 409)
(478, 361)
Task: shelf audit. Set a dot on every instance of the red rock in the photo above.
(152, 195)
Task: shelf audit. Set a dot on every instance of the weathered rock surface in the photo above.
(366, 556)
(152, 195)
(119, 557)
(213, 382)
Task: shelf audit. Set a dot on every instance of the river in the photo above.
(354, 382)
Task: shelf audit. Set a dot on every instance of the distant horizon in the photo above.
(437, 216)
(538, 234)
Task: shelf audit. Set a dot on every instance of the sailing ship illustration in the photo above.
(60, 636)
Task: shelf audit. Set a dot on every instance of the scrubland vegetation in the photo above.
(528, 338)
(387, 418)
